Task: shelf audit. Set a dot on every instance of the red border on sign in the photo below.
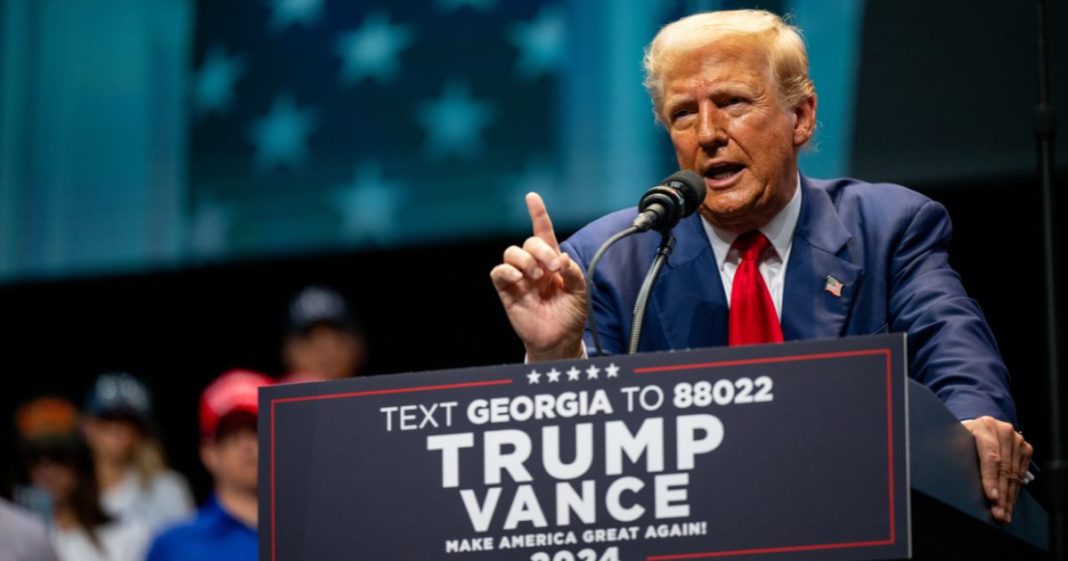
(274, 534)
(889, 453)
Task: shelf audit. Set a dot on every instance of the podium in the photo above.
(808, 450)
(946, 494)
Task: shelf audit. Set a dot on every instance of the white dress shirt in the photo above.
(779, 231)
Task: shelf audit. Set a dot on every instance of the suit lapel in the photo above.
(689, 299)
(820, 252)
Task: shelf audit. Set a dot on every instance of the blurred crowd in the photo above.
(95, 484)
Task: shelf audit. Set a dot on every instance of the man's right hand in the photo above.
(543, 291)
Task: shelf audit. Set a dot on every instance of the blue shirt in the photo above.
(212, 535)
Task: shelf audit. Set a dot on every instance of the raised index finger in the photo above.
(539, 219)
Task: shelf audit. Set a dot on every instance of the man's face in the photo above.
(326, 352)
(232, 458)
(728, 124)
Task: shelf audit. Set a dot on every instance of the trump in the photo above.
(771, 255)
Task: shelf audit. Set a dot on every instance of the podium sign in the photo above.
(790, 451)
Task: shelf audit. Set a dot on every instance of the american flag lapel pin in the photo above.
(834, 286)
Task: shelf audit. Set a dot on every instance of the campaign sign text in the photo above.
(790, 451)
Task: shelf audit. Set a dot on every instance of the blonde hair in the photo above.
(782, 43)
(149, 460)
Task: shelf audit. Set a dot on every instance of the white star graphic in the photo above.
(540, 42)
(454, 122)
(592, 371)
(281, 135)
(573, 374)
(538, 176)
(290, 12)
(369, 204)
(533, 377)
(553, 375)
(371, 50)
(209, 230)
(477, 5)
(213, 88)
(612, 371)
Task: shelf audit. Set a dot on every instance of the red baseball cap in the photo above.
(236, 391)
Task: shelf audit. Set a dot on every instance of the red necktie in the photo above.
(752, 317)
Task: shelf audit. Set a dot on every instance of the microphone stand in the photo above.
(1056, 470)
(661, 208)
(667, 244)
(598, 350)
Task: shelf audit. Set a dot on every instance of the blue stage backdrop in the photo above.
(320, 125)
(163, 133)
(149, 134)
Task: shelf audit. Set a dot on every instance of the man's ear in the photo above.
(209, 456)
(804, 120)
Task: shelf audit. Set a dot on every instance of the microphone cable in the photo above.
(589, 284)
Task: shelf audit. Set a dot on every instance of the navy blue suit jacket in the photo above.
(886, 244)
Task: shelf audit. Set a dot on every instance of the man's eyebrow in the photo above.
(677, 98)
(731, 87)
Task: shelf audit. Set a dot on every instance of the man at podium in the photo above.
(771, 255)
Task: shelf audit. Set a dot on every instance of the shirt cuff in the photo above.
(584, 356)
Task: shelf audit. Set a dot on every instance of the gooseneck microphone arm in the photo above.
(667, 244)
(661, 208)
(599, 351)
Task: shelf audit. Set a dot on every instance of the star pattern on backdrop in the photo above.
(327, 117)
(213, 85)
(534, 377)
(372, 49)
(573, 374)
(368, 204)
(281, 136)
(537, 177)
(540, 42)
(476, 5)
(209, 230)
(285, 13)
(454, 122)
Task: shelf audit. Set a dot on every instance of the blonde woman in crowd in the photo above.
(135, 482)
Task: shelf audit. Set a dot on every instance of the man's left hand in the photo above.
(1004, 457)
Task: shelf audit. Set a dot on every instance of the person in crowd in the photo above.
(225, 528)
(771, 254)
(133, 476)
(58, 462)
(323, 338)
(23, 537)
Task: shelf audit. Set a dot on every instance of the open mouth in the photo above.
(723, 172)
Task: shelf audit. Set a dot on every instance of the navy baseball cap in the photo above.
(121, 395)
(316, 305)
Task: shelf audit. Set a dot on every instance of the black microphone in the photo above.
(663, 206)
